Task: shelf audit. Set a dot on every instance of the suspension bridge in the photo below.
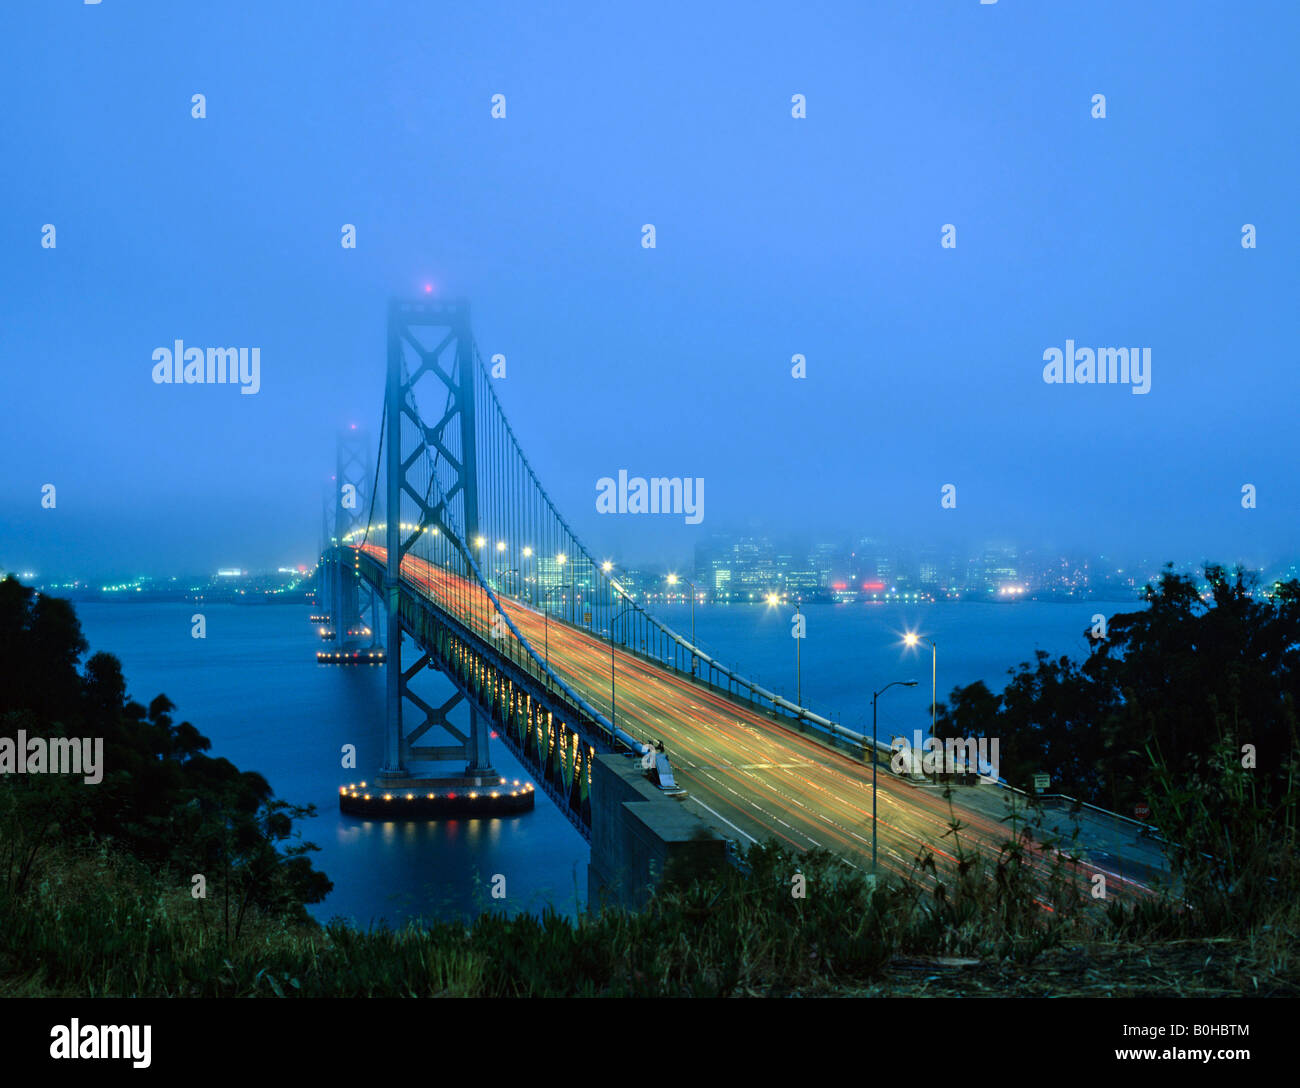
(447, 542)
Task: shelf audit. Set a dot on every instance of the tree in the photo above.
(1189, 673)
(162, 798)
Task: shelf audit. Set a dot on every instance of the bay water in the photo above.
(254, 688)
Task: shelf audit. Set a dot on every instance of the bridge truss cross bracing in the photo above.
(469, 536)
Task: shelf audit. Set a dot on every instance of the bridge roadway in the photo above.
(753, 777)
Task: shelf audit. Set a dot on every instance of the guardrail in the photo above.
(1146, 829)
(621, 735)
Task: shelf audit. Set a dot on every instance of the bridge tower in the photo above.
(353, 486)
(324, 589)
(435, 339)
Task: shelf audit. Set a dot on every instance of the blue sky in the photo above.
(775, 236)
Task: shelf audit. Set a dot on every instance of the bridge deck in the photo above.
(753, 777)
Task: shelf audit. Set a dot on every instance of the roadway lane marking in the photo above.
(759, 808)
(725, 820)
(724, 786)
(838, 785)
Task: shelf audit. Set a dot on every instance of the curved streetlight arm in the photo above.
(892, 683)
(875, 746)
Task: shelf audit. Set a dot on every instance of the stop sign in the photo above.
(1142, 811)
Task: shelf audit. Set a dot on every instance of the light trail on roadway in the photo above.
(757, 776)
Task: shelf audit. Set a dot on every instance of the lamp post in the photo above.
(912, 640)
(613, 713)
(798, 642)
(874, 696)
(504, 574)
(546, 630)
(774, 599)
(673, 579)
(563, 560)
(606, 568)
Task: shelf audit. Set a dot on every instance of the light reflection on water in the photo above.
(253, 686)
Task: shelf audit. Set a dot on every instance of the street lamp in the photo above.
(798, 664)
(774, 599)
(528, 554)
(505, 574)
(874, 758)
(911, 640)
(613, 713)
(562, 560)
(546, 628)
(673, 579)
(606, 569)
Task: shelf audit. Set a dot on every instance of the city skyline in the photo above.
(750, 566)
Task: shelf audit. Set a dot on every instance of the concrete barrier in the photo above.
(639, 835)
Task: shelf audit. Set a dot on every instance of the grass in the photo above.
(92, 922)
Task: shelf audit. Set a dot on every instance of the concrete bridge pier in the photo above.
(480, 761)
(639, 835)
